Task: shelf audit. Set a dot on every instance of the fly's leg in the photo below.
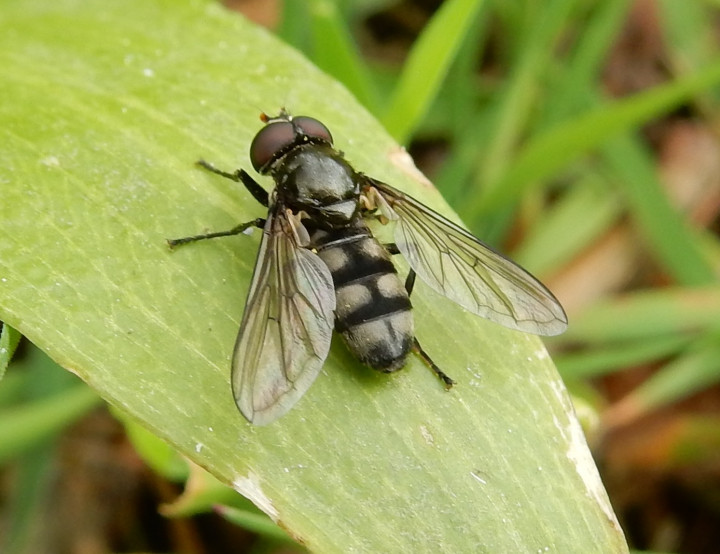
(240, 176)
(410, 281)
(444, 377)
(425, 358)
(259, 223)
(392, 248)
(409, 285)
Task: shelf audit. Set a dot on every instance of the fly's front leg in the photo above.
(240, 176)
(259, 223)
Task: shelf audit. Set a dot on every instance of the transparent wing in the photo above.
(459, 266)
(286, 328)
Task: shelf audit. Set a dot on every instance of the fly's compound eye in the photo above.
(312, 128)
(271, 139)
(281, 135)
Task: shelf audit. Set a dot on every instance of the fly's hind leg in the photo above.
(425, 358)
(444, 377)
(409, 285)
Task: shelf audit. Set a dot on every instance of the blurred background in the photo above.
(579, 136)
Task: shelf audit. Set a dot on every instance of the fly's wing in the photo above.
(459, 266)
(286, 328)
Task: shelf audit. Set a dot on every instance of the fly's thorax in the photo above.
(317, 179)
(372, 306)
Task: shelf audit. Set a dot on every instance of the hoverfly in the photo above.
(320, 268)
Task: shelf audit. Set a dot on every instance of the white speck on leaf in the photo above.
(427, 435)
(478, 478)
(50, 161)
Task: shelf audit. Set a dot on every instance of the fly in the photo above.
(319, 268)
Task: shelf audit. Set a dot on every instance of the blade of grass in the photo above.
(646, 314)
(694, 370)
(547, 153)
(580, 72)
(258, 523)
(520, 93)
(11, 390)
(665, 230)
(616, 357)
(26, 426)
(459, 94)
(569, 226)
(427, 65)
(27, 500)
(334, 51)
(692, 43)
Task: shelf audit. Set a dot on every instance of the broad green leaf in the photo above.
(106, 106)
(156, 453)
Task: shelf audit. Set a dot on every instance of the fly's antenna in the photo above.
(284, 115)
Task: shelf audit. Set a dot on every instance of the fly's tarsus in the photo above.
(234, 176)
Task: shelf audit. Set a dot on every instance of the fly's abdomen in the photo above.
(372, 306)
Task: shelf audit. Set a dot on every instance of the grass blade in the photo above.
(427, 65)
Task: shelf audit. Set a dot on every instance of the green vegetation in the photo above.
(106, 107)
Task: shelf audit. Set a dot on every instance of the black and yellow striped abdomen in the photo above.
(373, 310)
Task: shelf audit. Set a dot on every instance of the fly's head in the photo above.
(309, 173)
(282, 134)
